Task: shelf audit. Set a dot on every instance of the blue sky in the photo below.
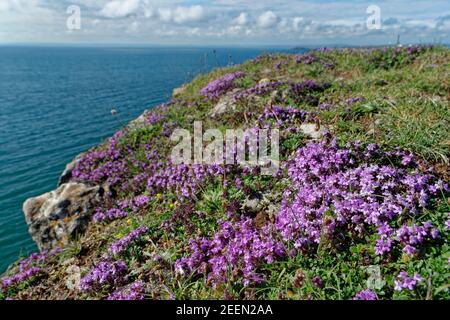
(222, 22)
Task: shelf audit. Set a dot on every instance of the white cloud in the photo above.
(242, 19)
(267, 20)
(181, 15)
(264, 21)
(165, 14)
(19, 6)
(119, 8)
(148, 12)
(188, 14)
(297, 22)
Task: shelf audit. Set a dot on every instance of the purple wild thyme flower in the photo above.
(135, 291)
(220, 86)
(106, 272)
(109, 215)
(404, 282)
(352, 101)
(122, 244)
(366, 295)
(20, 277)
(260, 89)
(361, 194)
(238, 244)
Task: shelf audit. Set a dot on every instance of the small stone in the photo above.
(310, 130)
(179, 91)
(225, 104)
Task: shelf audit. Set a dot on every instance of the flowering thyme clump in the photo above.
(305, 58)
(283, 116)
(103, 165)
(306, 91)
(237, 245)
(352, 101)
(183, 179)
(220, 86)
(28, 269)
(260, 90)
(366, 295)
(121, 245)
(135, 291)
(109, 215)
(345, 193)
(21, 277)
(405, 282)
(154, 118)
(107, 272)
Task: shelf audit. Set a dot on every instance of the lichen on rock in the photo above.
(58, 216)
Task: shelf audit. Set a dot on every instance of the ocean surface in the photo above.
(56, 103)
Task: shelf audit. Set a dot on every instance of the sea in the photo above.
(56, 102)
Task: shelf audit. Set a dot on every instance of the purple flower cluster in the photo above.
(183, 179)
(283, 115)
(107, 272)
(22, 276)
(305, 58)
(280, 64)
(325, 106)
(154, 118)
(406, 282)
(352, 101)
(103, 165)
(220, 86)
(135, 291)
(413, 236)
(308, 86)
(395, 56)
(236, 252)
(260, 90)
(28, 268)
(122, 244)
(101, 215)
(345, 193)
(306, 91)
(366, 295)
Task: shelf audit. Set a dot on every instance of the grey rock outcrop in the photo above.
(66, 176)
(57, 217)
(225, 104)
(312, 131)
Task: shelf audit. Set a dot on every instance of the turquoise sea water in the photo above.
(56, 103)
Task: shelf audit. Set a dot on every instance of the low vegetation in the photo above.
(361, 213)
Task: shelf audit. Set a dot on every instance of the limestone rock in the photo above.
(66, 176)
(138, 122)
(56, 217)
(310, 130)
(225, 104)
(178, 91)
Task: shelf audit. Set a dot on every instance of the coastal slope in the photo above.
(359, 208)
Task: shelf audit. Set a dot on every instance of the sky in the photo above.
(224, 22)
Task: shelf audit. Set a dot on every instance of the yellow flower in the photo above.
(158, 195)
(129, 221)
(290, 294)
(172, 205)
(119, 235)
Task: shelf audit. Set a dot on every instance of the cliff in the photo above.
(358, 207)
